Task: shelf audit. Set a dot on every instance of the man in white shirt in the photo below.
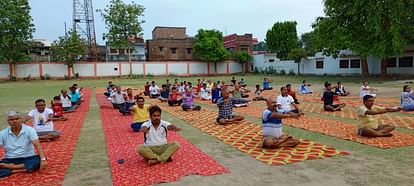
(204, 92)
(154, 90)
(42, 119)
(118, 98)
(366, 90)
(19, 141)
(155, 148)
(66, 101)
(286, 103)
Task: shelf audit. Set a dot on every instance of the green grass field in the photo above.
(365, 166)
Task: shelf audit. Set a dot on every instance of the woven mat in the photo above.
(58, 152)
(335, 128)
(122, 144)
(247, 137)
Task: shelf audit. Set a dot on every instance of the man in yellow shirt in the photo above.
(370, 125)
(140, 112)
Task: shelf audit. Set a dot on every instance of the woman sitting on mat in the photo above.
(272, 127)
(304, 88)
(140, 111)
(407, 99)
(155, 148)
(370, 124)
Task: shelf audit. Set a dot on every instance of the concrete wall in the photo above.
(331, 66)
(88, 69)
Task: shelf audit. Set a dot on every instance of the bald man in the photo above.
(272, 127)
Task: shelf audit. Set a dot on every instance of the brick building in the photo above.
(236, 42)
(170, 44)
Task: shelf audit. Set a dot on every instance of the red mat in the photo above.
(122, 144)
(59, 152)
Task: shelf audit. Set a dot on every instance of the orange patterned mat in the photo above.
(247, 137)
(336, 128)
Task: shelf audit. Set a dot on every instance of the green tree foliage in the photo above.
(68, 49)
(242, 57)
(209, 47)
(123, 23)
(297, 55)
(378, 28)
(16, 29)
(310, 43)
(261, 46)
(282, 38)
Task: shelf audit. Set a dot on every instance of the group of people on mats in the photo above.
(20, 140)
(156, 149)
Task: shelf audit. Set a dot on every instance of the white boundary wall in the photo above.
(108, 69)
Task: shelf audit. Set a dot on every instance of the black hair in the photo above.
(173, 88)
(281, 88)
(139, 97)
(257, 86)
(56, 98)
(303, 81)
(327, 84)
(164, 85)
(366, 97)
(152, 82)
(405, 87)
(39, 101)
(338, 82)
(75, 85)
(154, 109)
(288, 85)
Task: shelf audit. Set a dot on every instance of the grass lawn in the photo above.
(365, 166)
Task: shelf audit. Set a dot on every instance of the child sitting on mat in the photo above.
(257, 92)
(215, 93)
(273, 136)
(156, 149)
(173, 100)
(57, 108)
(188, 99)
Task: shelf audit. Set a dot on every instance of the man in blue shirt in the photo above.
(19, 141)
(272, 127)
(266, 84)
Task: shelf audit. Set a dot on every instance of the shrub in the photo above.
(12, 78)
(282, 72)
(292, 72)
(76, 75)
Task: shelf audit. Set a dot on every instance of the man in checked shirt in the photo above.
(225, 105)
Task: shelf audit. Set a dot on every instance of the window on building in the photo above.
(189, 50)
(344, 63)
(392, 63)
(113, 51)
(161, 49)
(271, 60)
(173, 50)
(319, 64)
(406, 61)
(355, 63)
(121, 51)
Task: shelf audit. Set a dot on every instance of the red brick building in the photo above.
(236, 42)
(170, 44)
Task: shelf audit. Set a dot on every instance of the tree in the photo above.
(123, 24)
(297, 55)
(16, 28)
(209, 47)
(242, 57)
(261, 46)
(282, 38)
(310, 43)
(68, 49)
(369, 28)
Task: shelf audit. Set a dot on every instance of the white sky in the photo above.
(228, 16)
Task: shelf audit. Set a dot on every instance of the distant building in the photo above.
(120, 54)
(170, 44)
(40, 50)
(237, 43)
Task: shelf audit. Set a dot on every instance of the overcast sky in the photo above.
(228, 16)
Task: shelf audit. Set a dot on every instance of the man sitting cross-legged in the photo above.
(225, 105)
(370, 124)
(66, 101)
(155, 148)
(286, 103)
(328, 100)
(140, 112)
(19, 141)
(42, 119)
(173, 100)
(118, 98)
(272, 127)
